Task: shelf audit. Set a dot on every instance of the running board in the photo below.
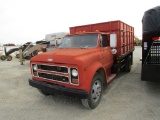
(111, 77)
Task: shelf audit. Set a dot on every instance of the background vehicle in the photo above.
(29, 49)
(151, 45)
(54, 40)
(7, 53)
(87, 58)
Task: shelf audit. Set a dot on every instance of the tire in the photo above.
(3, 57)
(43, 92)
(17, 56)
(128, 64)
(95, 93)
(9, 58)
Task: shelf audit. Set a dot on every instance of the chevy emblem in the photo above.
(50, 59)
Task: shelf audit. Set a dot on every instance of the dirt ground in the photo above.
(126, 98)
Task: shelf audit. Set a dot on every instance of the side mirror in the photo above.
(113, 40)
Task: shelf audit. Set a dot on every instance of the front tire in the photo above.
(95, 93)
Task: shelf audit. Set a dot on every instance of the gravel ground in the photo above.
(126, 98)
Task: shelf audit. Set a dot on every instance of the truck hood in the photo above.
(67, 56)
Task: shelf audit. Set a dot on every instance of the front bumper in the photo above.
(56, 89)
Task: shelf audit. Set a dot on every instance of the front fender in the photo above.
(89, 74)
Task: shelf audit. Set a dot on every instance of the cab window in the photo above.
(104, 41)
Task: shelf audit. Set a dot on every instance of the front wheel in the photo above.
(95, 93)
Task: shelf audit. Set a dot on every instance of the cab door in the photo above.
(106, 56)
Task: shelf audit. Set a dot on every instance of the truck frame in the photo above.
(87, 58)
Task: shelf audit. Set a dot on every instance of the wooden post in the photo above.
(21, 57)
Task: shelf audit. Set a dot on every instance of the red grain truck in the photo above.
(86, 59)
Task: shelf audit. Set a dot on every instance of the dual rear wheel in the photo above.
(127, 64)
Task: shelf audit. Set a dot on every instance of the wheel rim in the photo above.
(96, 91)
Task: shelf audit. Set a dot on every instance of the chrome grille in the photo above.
(53, 68)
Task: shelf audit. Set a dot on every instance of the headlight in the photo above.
(74, 73)
(35, 67)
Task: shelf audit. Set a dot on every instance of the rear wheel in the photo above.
(9, 58)
(128, 64)
(95, 93)
(3, 57)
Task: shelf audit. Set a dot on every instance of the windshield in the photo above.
(80, 41)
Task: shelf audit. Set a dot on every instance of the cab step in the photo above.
(111, 77)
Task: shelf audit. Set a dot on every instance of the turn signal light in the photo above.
(75, 81)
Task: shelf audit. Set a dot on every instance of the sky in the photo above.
(24, 21)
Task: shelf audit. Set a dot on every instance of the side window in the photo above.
(104, 41)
